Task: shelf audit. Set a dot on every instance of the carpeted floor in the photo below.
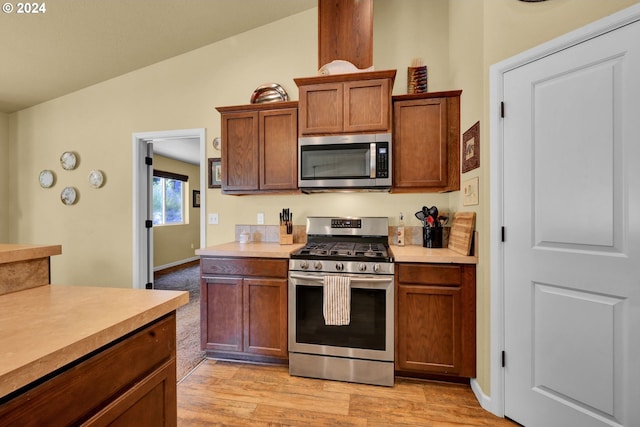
(188, 316)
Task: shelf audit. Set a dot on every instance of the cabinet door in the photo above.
(420, 154)
(321, 108)
(279, 149)
(240, 153)
(221, 310)
(367, 106)
(436, 319)
(431, 339)
(265, 317)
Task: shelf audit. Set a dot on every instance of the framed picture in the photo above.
(215, 173)
(471, 148)
(196, 198)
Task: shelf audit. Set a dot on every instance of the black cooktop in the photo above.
(343, 250)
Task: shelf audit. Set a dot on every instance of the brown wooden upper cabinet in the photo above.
(259, 148)
(345, 103)
(426, 150)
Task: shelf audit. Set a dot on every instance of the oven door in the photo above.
(370, 332)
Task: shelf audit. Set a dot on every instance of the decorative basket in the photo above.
(417, 79)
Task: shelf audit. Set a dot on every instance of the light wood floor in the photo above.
(235, 394)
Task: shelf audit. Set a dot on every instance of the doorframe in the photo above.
(496, 402)
(141, 262)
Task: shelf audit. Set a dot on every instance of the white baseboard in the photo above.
(173, 264)
(484, 400)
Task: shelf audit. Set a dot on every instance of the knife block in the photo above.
(285, 239)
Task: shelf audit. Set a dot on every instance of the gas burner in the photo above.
(355, 245)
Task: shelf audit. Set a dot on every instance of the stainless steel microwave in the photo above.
(345, 162)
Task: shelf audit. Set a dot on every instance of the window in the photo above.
(168, 198)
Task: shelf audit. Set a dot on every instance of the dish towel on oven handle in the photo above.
(336, 305)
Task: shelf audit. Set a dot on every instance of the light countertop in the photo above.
(250, 250)
(47, 327)
(10, 252)
(415, 253)
(410, 253)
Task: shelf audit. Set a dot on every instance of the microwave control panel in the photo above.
(382, 160)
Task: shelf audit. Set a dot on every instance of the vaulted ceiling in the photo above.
(77, 43)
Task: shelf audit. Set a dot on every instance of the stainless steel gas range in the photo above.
(341, 302)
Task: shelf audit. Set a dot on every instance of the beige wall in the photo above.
(458, 40)
(4, 177)
(466, 65)
(182, 93)
(175, 243)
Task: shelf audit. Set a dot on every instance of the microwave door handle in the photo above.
(372, 160)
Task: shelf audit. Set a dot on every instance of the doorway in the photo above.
(565, 288)
(143, 142)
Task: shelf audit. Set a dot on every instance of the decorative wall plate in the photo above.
(68, 195)
(68, 160)
(96, 178)
(46, 178)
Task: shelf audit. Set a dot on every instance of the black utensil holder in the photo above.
(432, 237)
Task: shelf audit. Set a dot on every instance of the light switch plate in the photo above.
(213, 218)
(470, 192)
(260, 218)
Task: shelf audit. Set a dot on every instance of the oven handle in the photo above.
(353, 279)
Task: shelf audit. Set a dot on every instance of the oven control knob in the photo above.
(304, 264)
(339, 266)
(362, 266)
(376, 268)
(317, 265)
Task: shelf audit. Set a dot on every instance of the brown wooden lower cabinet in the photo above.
(436, 319)
(244, 308)
(129, 382)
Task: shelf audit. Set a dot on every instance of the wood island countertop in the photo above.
(47, 327)
(10, 252)
(250, 250)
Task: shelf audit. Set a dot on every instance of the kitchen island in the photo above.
(87, 354)
(25, 266)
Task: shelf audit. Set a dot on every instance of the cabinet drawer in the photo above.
(429, 274)
(262, 267)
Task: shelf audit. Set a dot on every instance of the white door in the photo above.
(571, 211)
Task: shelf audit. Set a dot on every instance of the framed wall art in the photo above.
(215, 173)
(471, 148)
(196, 198)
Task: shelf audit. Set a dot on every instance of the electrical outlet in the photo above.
(213, 218)
(260, 218)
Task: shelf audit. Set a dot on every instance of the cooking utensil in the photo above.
(421, 216)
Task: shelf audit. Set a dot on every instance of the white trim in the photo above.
(495, 403)
(483, 399)
(139, 141)
(176, 263)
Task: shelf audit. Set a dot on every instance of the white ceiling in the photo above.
(78, 43)
(184, 149)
